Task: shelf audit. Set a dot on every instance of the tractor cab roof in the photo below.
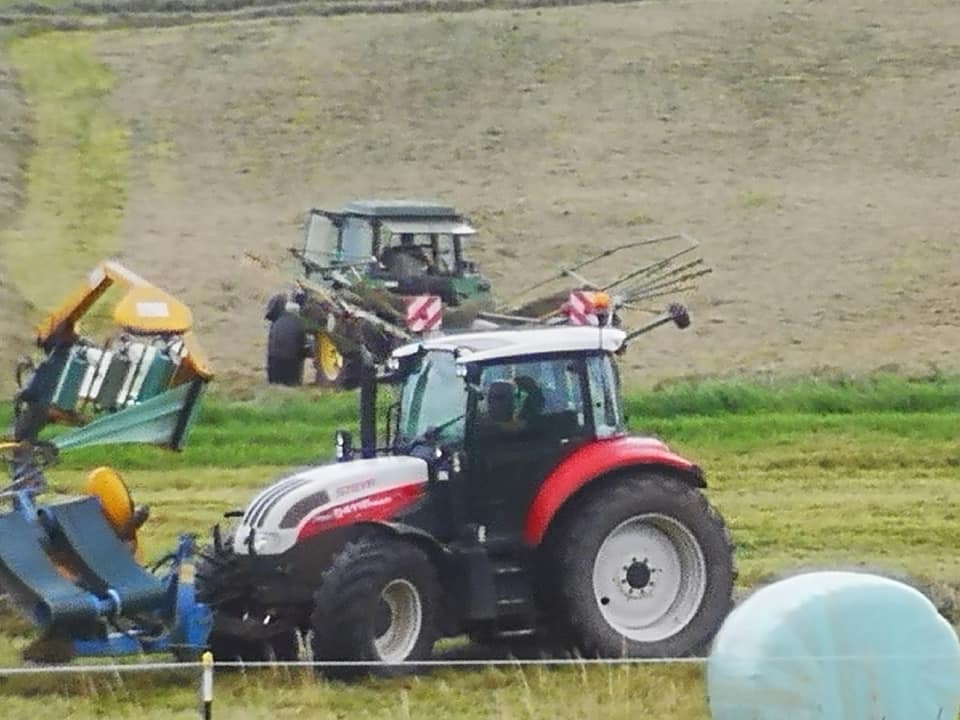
(495, 344)
(414, 217)
(399, 209)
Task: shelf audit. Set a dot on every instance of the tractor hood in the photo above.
(317, 499)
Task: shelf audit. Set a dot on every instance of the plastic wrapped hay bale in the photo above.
(835, 646)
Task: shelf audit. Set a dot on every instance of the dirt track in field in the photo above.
(812, 149)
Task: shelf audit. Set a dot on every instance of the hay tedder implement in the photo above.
(71, 565)
(379, 274)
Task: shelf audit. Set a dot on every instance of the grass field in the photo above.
(806, 473)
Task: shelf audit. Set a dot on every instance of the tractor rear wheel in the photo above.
(643, 567)
(377, 602)
(221, 584)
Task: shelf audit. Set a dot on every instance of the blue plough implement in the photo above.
(71, 565)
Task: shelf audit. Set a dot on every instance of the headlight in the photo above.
(262, 540)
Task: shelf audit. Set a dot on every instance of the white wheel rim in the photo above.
(649, 577)
(406, 618)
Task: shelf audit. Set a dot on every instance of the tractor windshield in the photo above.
(433, 397)
(605, 394)
(320, 241)
(356, 241)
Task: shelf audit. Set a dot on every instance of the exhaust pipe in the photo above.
(368, 405)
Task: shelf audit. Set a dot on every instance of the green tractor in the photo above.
(361, 268)
(379, 274)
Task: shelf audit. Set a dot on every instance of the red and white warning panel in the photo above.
(580, 308)
(424, 313)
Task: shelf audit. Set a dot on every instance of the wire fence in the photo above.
(495, 662)
(117, 668)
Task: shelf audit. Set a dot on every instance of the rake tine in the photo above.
(650, 268)
(638, 308)
(658, 280)
(647, 293)
(568, 272)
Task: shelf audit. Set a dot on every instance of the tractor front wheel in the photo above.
(644, 567)
(376, 603)
(334, 369)
(221, 583)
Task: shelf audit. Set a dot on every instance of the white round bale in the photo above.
(835, 646)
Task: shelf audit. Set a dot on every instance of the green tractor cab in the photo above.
(407, 247)
(360, 265)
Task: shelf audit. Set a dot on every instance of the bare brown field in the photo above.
(810, 147)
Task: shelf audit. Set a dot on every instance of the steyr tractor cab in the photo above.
(503, 497)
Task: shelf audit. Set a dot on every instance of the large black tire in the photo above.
(350, 608)
(697, 581)
(221, 583)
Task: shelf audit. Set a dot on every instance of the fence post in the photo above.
(206, 686)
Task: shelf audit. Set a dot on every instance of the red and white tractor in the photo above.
(504, 497)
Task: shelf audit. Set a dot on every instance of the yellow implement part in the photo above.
(150, 310)
(106, 484)
(195, 359)
(145, 309)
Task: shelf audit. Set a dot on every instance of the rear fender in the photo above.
(594, 461)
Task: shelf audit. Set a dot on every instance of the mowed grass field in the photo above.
(806, 473)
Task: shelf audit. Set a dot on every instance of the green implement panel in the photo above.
(67, 392)
(162, 420)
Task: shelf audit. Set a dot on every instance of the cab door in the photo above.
(509, 458)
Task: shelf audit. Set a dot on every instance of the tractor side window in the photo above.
(604, 393)
(547, 398)
(357, 240)
(444, 258)
(433, 397)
